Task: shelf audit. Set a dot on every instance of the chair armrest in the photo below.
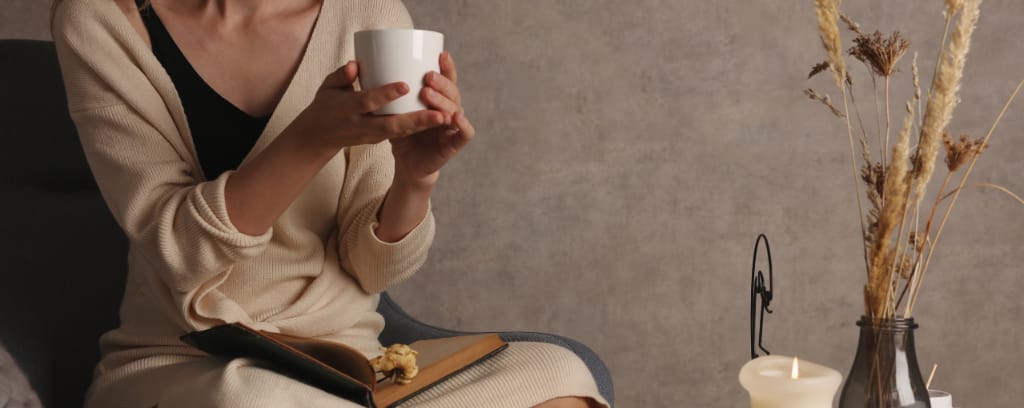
(399, 327)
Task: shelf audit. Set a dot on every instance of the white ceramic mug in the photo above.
(398, 54)
(940, 399)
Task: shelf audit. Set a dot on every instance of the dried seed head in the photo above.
(952, 6)
(850, 24)
(916, 240)
(821, 66)
(959, 153)
(825, 100)
(878, 52)
(874, 176)
(905, 268)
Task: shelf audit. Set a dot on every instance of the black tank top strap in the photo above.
(222, 133)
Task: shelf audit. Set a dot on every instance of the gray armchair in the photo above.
(62, 256)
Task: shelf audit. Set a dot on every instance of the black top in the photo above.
(222, 133)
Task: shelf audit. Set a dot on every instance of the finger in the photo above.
(466, 130)
(445, 86)
(405, 124)
(342, 77)
(440, 102)
(447, 64)
(376, 98)
(457, 136)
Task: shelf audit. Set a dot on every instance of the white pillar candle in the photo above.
(785, 382)
(940, 399)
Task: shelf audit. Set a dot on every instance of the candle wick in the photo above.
(928, 385)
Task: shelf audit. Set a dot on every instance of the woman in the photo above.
(253, 186)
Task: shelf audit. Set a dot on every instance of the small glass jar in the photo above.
(885, 373)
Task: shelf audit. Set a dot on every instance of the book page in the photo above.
(337, 355)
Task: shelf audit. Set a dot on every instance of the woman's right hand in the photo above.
(339, 116)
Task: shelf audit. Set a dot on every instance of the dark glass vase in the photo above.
(885, 372)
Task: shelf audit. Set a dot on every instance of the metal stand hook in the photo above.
(758, 288)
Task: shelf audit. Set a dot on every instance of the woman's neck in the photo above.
(233, 12)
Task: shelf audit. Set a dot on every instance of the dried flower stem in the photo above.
(856, 183)
(827, 12)
(988, 185)
(963, 179)
(885, 145)
(863, 131)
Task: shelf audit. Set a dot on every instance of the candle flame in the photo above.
(796, 369)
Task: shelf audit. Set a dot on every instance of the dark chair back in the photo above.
(62, 256)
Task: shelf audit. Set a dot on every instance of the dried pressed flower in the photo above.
(825, 100)
(959, 153)
(878, 52)
(821, 66)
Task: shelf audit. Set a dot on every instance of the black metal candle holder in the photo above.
(758, 289)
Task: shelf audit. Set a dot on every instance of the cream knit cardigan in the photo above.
(318, 272)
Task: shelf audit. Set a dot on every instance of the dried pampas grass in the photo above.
(828, 13)
(943, 98)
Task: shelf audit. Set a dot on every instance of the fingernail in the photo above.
(403, 88)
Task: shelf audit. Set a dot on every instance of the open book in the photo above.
(343, 370)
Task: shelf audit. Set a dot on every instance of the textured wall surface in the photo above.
(630, 151)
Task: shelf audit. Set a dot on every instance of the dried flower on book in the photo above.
(398, 363)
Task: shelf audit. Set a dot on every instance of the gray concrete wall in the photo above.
(630, 151)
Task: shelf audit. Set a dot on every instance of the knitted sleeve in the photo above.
(179, 223)
(375, 264)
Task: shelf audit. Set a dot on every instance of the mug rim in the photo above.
(373, 30)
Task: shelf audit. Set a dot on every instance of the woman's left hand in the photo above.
(420, 156)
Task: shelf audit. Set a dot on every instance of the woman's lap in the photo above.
(522, 376)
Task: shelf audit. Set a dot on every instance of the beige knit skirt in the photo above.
(522, 376)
